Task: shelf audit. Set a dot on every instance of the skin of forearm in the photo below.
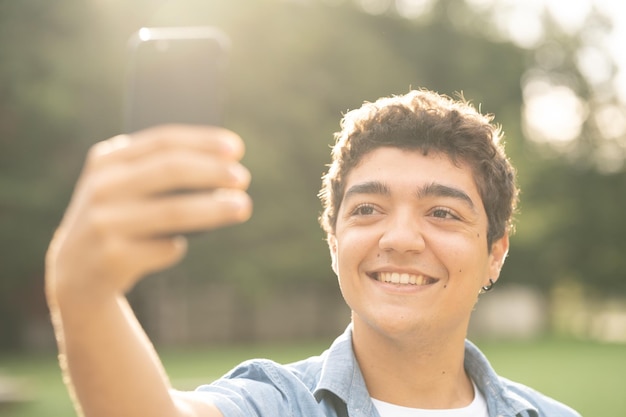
(109, 363)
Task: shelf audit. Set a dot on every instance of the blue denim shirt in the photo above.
(331, 385)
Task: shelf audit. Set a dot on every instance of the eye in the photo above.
(444, 213)
(364, 210)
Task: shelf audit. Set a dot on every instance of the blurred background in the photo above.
(553, 73)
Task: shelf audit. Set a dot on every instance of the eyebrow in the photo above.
(370, 187)
(431, 190)
(440, 190)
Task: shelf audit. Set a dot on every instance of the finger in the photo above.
(177, 170)
(207, 139)
(204, 138)
(174, 214)
(120, 263)
(137, 258)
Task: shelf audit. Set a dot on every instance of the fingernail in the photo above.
(231, 147)
(242, 205)
(239, 173)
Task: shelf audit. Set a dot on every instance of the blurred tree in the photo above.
(296, 66)
(60, 72)
(571, 229)
(572, 171)
(36, 127)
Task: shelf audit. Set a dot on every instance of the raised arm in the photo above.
(122, 224)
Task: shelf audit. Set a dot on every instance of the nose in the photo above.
(403, 233)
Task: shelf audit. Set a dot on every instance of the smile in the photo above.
(404, 278)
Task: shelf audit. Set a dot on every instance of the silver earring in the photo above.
(487, 288)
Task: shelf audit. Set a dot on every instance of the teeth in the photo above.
(398, 278)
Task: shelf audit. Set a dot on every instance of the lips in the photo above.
(401, 278)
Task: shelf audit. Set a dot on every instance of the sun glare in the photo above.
(411, 9)
(144, 34)
(375, 7)
(611, 121)
(552, 113)
(520, 23)
(569, 15)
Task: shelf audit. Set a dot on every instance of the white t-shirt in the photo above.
(478, 408)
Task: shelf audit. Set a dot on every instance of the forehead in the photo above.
(411, 169)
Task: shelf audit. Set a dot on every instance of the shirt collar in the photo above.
(341, 376)
(500, 400)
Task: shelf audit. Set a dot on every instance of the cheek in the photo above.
(352, 250)
(345, 258)
(346, 268)
(462, 256)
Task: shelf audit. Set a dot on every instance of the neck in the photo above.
(415, 372)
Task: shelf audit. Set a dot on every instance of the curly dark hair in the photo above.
(425, 121)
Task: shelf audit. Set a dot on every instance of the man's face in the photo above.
(410, 245)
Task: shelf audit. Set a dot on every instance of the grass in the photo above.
(589, 376)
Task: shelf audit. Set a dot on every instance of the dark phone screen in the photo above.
(176, 77)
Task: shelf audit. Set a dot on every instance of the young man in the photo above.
(417, 209)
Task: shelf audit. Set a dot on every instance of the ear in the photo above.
(332, 246)
(499, 250)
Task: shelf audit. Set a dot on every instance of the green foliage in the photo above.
(296, 67)
(571, 228)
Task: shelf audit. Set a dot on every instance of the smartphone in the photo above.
(176, 75)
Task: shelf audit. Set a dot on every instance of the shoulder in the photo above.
(546, 406)
(305, 372)
(279, 376)
(265, 388)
